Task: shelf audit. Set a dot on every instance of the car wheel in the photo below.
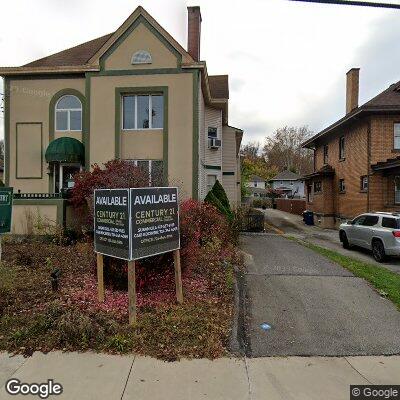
(344, 240)
(378, 251)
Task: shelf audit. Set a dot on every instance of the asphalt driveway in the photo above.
(293, 225)
(314, 306)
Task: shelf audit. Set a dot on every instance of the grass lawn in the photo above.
(386, 282)
(33, 317)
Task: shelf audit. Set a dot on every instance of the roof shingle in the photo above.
(219, 86)
(78, 55)
(286, 176)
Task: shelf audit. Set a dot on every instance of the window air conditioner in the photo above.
(214, 143)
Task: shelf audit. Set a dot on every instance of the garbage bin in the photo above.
(308, 217)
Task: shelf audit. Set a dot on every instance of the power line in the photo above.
(353, 3)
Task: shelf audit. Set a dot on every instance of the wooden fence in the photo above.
(293, 206)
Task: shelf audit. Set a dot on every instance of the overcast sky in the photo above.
(286, 60)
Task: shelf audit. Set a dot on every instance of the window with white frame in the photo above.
(68, 114)
(141, 57)
(342, 186)
(326, 148)
(212, 133)
(211, 179)
(341, 148)
(154, 169)
(397, 189)
(142, 111)
(364, 183)
(396, 141)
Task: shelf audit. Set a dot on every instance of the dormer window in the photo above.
(141, 57)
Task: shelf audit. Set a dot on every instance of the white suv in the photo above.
(379, 232)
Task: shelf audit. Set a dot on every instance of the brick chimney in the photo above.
(194, 31)
(352, 89)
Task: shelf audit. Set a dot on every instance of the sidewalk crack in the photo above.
(15, 371)
(248, 378)
(127, 378)
(358, 372)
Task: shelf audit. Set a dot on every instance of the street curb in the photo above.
(239, 344)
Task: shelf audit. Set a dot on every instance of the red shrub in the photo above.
(115, 174)
(200, 223)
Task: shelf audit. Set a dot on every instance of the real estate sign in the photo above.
(155, 221)
(6, 201)
(112, 222)
(136, 223)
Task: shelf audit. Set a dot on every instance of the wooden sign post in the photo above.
(178, 276)
(132, 292)
(100, 277)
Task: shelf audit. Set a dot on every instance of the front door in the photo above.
(63, 176)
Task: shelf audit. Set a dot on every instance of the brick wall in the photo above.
(355, 165)
(382, 137)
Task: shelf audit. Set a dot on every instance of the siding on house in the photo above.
(213, 119)
(229, 164)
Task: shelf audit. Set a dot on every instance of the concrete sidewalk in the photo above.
(87, 376)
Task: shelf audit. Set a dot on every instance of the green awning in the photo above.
(65, 149)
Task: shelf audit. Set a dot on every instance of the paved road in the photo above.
(290, 224)
(315, 307)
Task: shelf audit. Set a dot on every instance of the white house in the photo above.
(257, 186)
(289, 184)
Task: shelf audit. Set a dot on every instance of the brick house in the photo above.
(357, 159)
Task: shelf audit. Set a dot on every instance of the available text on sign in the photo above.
(136, 223)
(155, 221)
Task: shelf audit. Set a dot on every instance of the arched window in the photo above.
(68, 114)
(141, 57)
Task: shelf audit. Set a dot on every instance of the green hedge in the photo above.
(218, 198)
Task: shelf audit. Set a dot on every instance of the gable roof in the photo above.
(386, 101)
(286, 176)
(85, 57)
(256, 178)
(140, 11)
(80, 55)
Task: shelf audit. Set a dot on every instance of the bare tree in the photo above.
(251, 150)
(283, 149)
